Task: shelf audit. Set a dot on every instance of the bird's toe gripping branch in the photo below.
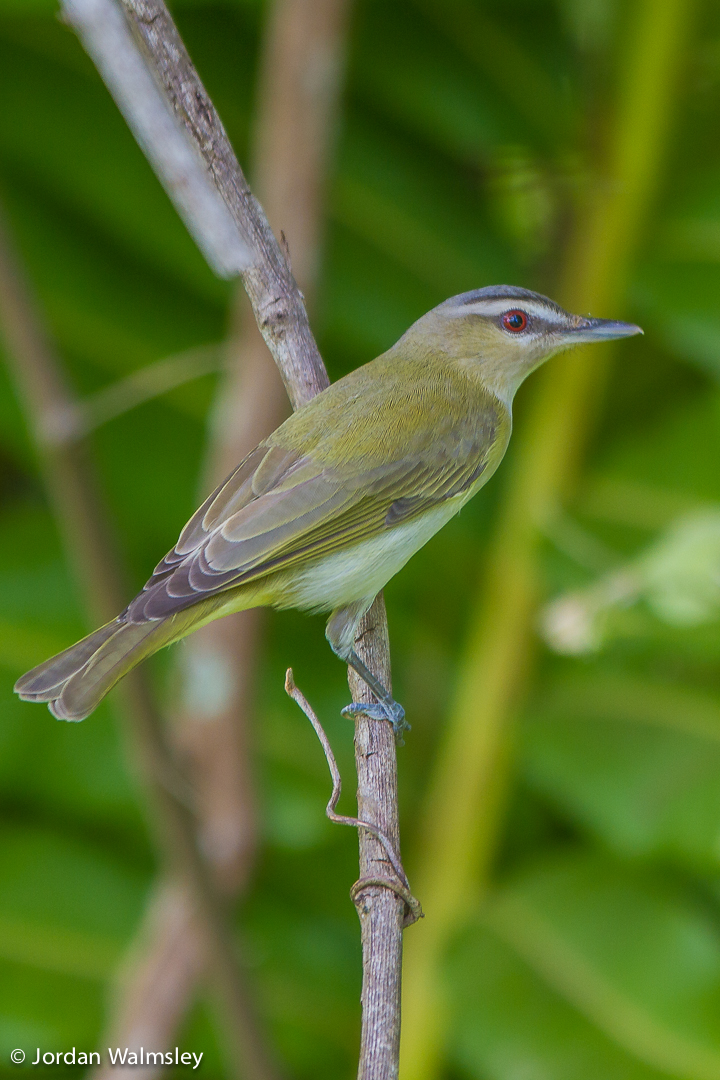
(341, 632)
(384, 710)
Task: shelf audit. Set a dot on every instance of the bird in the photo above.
(332, 505)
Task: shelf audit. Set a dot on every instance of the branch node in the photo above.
(60, 425)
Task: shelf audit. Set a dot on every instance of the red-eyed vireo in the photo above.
(328, 508)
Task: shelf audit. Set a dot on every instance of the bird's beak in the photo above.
(600, 330)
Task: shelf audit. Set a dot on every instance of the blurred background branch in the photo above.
(90, 545)
(277, 303)
(469, 783)
(120, 397)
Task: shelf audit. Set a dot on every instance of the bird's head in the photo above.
(508, 332)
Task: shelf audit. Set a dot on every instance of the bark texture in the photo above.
(381, 910)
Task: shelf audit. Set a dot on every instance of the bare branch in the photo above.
(382, 914)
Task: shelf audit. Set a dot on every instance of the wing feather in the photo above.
(281, 508)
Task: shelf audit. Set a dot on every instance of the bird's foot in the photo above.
(390, 711)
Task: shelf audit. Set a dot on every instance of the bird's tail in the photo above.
(75, 681)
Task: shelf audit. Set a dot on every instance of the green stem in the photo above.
(465, 793)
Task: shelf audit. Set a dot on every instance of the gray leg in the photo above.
(386, 709)
(340, 632)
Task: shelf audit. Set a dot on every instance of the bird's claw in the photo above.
(393, 713)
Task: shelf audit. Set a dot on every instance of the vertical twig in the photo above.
(381, 911)
(382, 877)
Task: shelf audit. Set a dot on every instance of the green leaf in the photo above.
(46, 1009)
(635, 761)
(637, 956)
(675, 450)
(507, 1022)
(22, 647)
(64, 906)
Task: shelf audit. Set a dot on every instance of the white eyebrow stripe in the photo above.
(500, 305)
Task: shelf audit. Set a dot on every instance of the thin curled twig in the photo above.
(402, 886)
(413, 910)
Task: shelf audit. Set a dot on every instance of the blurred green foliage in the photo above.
(466, 135)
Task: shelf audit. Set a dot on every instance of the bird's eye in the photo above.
(514, 321)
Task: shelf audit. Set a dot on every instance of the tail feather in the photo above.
(74, 682)
(44, 682)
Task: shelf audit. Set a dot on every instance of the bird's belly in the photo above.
(361, 570)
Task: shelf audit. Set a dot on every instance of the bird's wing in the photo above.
(281, 508)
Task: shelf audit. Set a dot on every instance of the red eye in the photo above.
(514, 321)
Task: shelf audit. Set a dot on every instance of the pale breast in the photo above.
(364, 569)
